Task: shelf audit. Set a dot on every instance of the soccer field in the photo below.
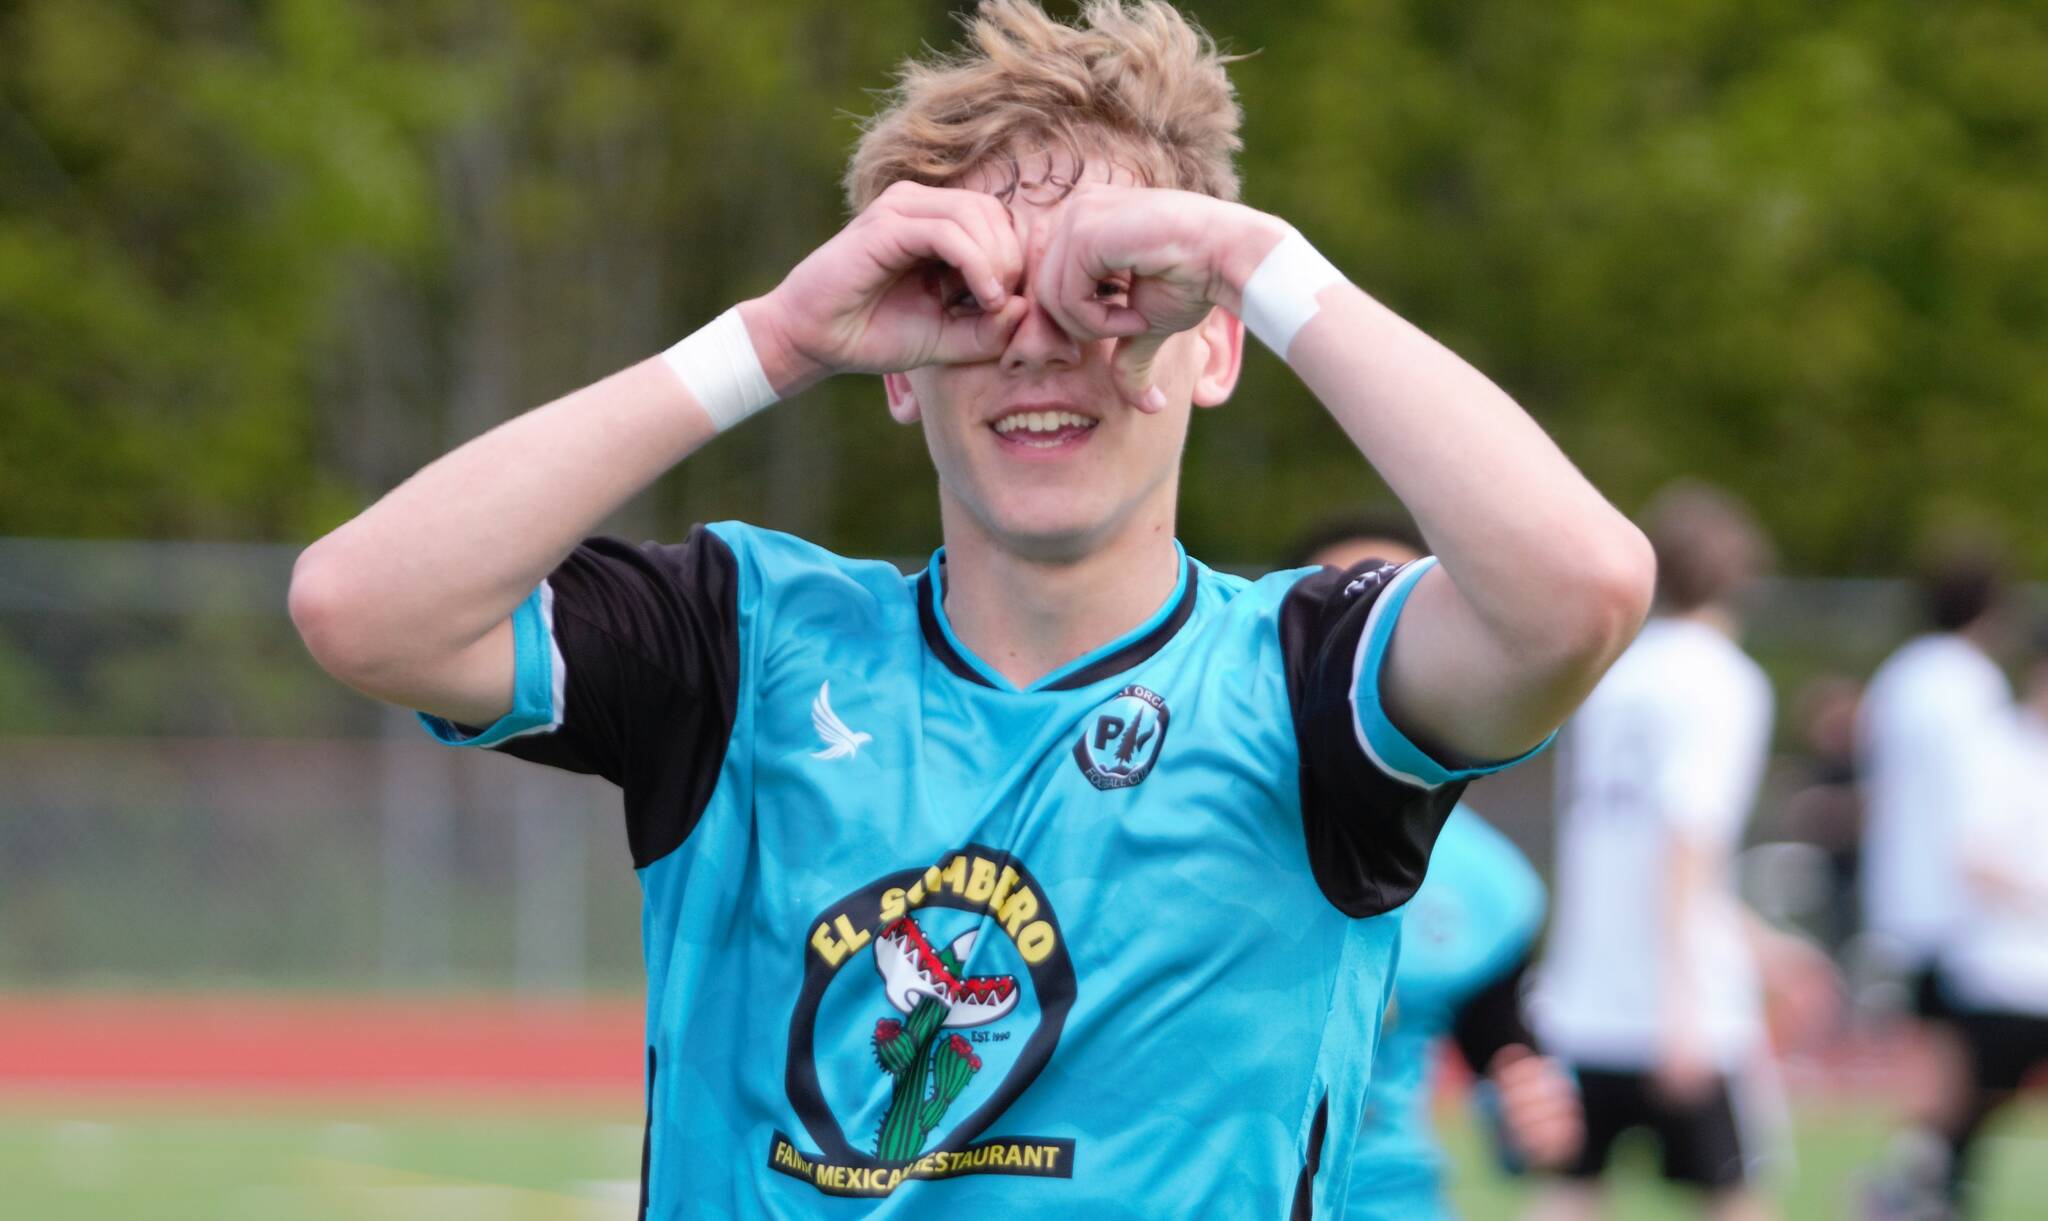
(241, 1164)
(1836, 1146)
(212, 1162)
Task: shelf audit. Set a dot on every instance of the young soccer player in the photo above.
(1650, 986)
(1995, 972)
(1933, 731)
(1931, 721)
(1466, 940)
(1041, 880)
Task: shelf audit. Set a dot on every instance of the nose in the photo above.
(1038, 342)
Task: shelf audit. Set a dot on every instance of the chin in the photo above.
(1049, 532)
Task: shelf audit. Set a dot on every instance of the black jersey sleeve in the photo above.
(628, 667)
(1372, 799)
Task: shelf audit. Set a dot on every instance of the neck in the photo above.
(1716, 616)
(1977, 633)
(1028, 616)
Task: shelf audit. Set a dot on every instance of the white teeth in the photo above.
(1041, 422)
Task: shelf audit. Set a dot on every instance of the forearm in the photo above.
(410, 601)
(1685, 886)
(1502, 507)
(445, 557)
(1542, 582)
(1759, 935)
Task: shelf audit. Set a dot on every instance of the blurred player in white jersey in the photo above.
(1989, 984)
(1933, 734)
(1994, 975)
(1932, 720)
(1651, 985)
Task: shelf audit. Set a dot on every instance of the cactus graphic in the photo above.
(930, 1071)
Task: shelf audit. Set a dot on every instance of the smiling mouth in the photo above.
(1048, 429)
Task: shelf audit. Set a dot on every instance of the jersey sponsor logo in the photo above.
(1121, 739)
(931, 999)
(840, 742)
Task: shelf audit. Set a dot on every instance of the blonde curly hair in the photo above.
(1132, 79)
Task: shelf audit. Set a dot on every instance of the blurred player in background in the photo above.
(1466, 940)
(1043, 881)
(1933, 734)
(1650, 988)
(1995, 971)
(1993, 967)
(1827, 811)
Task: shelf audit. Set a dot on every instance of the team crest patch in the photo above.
(931, 1000)
(1121, 739)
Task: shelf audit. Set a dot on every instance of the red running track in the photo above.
(453, 1048)
(380, 1046)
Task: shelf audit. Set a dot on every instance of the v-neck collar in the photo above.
(1096, 664)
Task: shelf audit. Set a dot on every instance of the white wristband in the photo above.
(1280, 297)
(723, 372)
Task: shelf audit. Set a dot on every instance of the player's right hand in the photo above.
(924, 276)
(1540, 1112)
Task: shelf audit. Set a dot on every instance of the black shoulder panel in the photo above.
(1369, 835)
(649, 636)
(676, 768)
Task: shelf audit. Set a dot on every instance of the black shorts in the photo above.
(1701, 1141)
(2003, 1047)
(1930, 1000)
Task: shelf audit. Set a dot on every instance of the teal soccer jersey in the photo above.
(1465, 938)
(916, 939)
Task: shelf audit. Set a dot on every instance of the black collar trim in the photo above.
(1107, 666)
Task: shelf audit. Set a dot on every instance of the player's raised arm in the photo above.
(1541, 582)
(411, 600)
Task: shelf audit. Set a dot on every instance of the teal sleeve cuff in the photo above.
(1392, 751)
(537, 682)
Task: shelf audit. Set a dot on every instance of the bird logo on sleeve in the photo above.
(840, 742)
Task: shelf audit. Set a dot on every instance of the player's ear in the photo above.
(1222, 339)
(903, 406)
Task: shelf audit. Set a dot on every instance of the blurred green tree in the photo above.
(1801, 250)
(259, 261)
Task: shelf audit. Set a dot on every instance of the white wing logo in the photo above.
(840, 742)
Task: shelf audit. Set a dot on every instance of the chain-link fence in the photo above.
(186, 801)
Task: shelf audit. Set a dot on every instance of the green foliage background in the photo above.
(258, 261)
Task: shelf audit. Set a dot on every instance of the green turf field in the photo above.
(214, 1164)
(219, 1165)
(1833, 1146)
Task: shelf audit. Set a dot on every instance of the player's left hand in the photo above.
(1141, 264)
(1539, 1107)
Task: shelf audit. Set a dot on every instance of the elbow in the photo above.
(1612, 585)
(326, 607)
(1626, 586)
